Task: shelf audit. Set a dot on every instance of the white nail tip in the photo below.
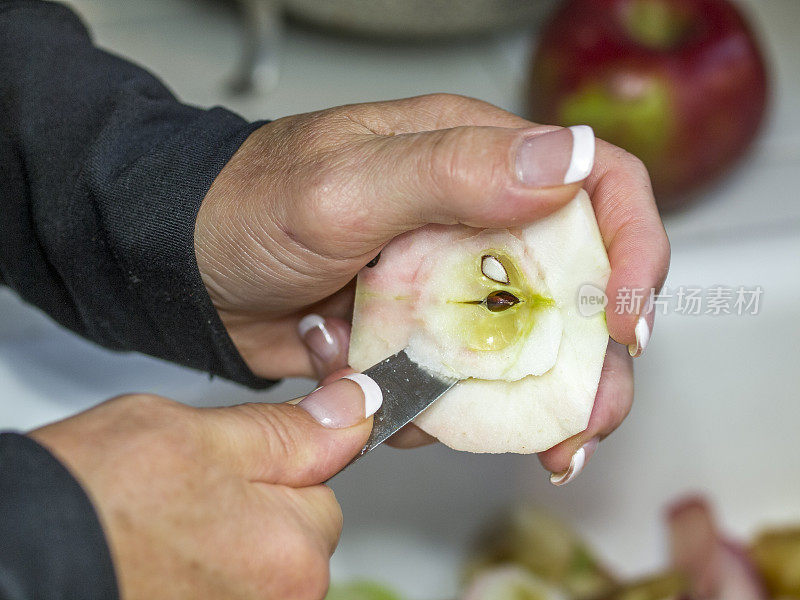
(642, 332)
(582, 159)
(311, 321)
(308, 323)
(576, 465)
(373, 396)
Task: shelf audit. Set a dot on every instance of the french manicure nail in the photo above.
(335, 406)
(556, 158)
(317, 337)
(576, 463)
(642, 331)
(373, 396)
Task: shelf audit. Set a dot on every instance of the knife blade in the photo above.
(408, 389)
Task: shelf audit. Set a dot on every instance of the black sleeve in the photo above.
(52, 545)
(102, 172)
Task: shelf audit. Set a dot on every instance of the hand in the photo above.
(216, 503)
(308, 200)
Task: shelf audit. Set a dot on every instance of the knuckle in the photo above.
(444, 100)
(623, 168)
(635, 165)
(465, 161)
(146, 423)
(147, 410)
(142, 402)
(622, 208)
(329, 195)
(332, 212)
(451, 158)
(452, 106)
(629, 172)
(442, 161)
(448, 109)
(274, 429)
(317, 192)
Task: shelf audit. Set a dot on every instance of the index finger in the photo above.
(635, 240)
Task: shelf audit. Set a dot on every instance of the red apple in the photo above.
(679, 83)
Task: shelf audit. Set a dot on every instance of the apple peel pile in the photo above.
(705, 564)
(498, 309)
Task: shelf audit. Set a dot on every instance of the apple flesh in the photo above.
(679, 83)
(499, 310)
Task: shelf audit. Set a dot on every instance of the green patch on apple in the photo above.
(657, 24)
(628, 109)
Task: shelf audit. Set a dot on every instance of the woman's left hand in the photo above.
(308, 200)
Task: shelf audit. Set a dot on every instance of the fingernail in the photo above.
(576, 464)
(556, 158)
(337, 405)
(317, 337)
(641, 331)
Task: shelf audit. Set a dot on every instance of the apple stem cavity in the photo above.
(493, 269)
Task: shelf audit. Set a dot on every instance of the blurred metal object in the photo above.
(414, 19)
(258, 70)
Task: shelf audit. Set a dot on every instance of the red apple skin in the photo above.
(707, 88)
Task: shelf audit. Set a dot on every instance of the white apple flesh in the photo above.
(499, 309)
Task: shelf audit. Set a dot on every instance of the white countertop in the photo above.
(717, 405)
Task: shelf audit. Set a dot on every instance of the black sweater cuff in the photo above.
(102, 172)
(52, 545)
(147, 222)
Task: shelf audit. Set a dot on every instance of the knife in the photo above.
(408, 389)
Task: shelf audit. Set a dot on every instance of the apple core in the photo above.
(498, 310)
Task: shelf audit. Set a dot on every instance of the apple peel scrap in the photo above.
(498, 309)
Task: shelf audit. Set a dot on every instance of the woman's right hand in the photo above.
(216, 502)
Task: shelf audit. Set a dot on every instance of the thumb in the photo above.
(488, 176)
(299, 443)
(477, 176)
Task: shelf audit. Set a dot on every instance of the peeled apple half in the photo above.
(498, 308)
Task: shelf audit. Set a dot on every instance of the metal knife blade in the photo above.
(408, 389)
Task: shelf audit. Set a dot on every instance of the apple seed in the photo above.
(493, 269)
(500, 300)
